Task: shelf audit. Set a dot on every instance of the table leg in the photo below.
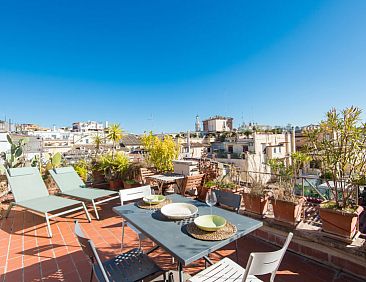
(160, 187)
(180, 270)
(179, 183)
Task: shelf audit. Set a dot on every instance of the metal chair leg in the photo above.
(95, 210)
(11, 205)
(86, 212)
(92, 274)
(237, 249)
(48, 225)
(123, 233)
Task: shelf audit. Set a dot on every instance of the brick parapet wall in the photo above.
(339, 259)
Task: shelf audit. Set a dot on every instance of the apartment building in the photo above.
(218, 124)
(89, 126)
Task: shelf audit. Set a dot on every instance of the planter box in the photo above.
(342, 224)
(287, 212)
(130, 185)
(202, 193)
(256, 204)
(115, 184)
(98, 177)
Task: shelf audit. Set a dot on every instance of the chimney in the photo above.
(293, 143)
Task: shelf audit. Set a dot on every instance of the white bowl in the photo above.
(154, 199)
(179, 210)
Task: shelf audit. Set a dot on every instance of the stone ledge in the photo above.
(341, 259)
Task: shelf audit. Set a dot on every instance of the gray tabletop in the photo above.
(172, 236)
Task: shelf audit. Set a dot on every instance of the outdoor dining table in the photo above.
(167, 178)
(172, 236)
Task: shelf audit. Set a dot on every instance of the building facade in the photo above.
(218, 124)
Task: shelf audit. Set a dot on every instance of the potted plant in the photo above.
(286, 206)
(52, 161)
(339, 145)
(131, 175)
(226, 186)
(205, 188)
(255, 198)
(82, 169)
(114, 166)
(130, 183)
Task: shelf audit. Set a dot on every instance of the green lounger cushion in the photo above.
(89, 193)
(48, 204)
(67, 179)
(30, 191)
(26, 183)
(71, 184)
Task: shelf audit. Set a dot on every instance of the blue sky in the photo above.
(156, 64)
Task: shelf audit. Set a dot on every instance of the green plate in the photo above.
(154, 199)
(210, 222)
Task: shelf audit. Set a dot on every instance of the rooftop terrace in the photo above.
(27, 254)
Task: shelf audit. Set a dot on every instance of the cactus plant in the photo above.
(54, 161)
(16, 156)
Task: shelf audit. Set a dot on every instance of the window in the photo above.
(274, 150)
(245, 148)
(230, 149)
(279, 149)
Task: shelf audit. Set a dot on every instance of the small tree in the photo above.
(160, 152)
(114, 135)
(97, 141)
(287, 175)
(339, 144)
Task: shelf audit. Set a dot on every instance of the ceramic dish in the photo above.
(210, 222)
(179, 210)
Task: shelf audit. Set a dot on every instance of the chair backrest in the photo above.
(26, 183)
(228, 199)
(144, 173)
(131, 194)
(264, 263)
(191, 182)
(66, 178)
(89, 249)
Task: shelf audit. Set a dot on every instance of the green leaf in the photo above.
(18, 152)
(56, 159)
(9, 139)
(49, 166)
(13, 149)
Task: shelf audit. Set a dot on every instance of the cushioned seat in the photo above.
(70, 184)
(48, 204)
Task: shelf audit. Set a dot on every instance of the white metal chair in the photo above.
(132, 194)
(258, 264)
(130, 266)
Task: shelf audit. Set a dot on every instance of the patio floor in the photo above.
(27, 254)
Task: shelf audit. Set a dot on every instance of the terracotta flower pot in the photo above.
(256, 204)
(202, 193)
(98, 177)
(115, 184)
(339, 223)
(127, 185)
(287, 212)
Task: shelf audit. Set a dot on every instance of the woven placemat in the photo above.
(143, 205)
(226, 232)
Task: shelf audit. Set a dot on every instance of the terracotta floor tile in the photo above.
(14, 264)
(71, 264)
(14, 276)
(32, 273)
